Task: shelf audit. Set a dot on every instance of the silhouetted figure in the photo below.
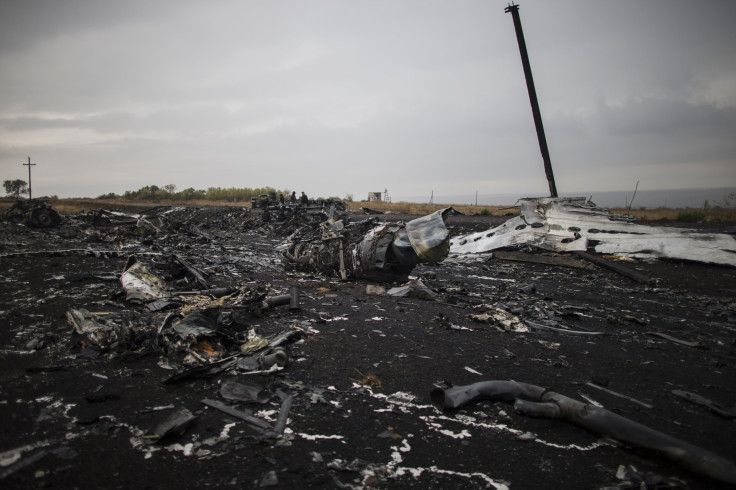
(293, 197)
(281, 198)
(304, 199)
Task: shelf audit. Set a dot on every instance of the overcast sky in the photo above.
(339, 97)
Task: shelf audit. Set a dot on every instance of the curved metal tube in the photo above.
(536, 401)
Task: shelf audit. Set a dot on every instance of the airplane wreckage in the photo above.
(197, 299)
(230, 329)
(578, 225)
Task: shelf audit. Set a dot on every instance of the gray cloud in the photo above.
(413, 96)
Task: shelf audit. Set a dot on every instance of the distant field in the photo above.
(70, 206)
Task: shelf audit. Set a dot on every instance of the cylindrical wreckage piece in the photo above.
(294, 298)
(548, 404)
(276, 357)
(291, 299)
(280, 300)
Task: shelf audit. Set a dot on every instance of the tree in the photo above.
(170, 188)
(14, 188)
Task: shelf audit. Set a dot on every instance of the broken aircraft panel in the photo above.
(369, 249)
(139, 283)
(576, 224)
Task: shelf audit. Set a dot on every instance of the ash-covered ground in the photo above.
(86, 412)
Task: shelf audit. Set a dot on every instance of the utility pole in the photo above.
(29, 165)
(514, 10)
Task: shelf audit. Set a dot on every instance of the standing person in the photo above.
(293, 197)
(281, 198)
(304, 199)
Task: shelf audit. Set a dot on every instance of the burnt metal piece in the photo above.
(34, 212)
(613, 266)
(176, 424)
(368, 249)
(254, 421)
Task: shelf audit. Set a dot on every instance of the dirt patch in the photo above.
(360, 368)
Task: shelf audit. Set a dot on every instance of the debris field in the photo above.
(182, 347)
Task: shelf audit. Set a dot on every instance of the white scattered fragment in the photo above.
(589, 400)
(101, 376)
(458, 327)
(269, 415)
(186, 449)
(405, 447)
(224, 435)
(336, 319)
(318, 437)
(527, 436)
(486, 278)
(549, 345)
(473, 371)
(463, 434)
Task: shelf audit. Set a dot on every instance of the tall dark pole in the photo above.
(514, 9)
(29, 165)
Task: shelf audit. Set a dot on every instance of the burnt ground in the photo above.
(360, 371)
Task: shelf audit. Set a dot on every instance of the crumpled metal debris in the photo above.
(139, 283)
(576, 224)
(413, 289)
(368, 249)
(174, 425)
(99, 334)
(502, 319)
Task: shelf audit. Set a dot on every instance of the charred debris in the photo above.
(284, 324)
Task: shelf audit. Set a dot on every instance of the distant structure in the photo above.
(374, 196)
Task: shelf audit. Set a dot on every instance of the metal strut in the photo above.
(514, 10)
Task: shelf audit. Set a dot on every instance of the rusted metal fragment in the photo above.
(576, 224)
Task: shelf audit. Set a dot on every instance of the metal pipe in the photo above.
(294, 298)
(514, 10)
(536, 401)
(291, 299)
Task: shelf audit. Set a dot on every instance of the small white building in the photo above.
(374, 196)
